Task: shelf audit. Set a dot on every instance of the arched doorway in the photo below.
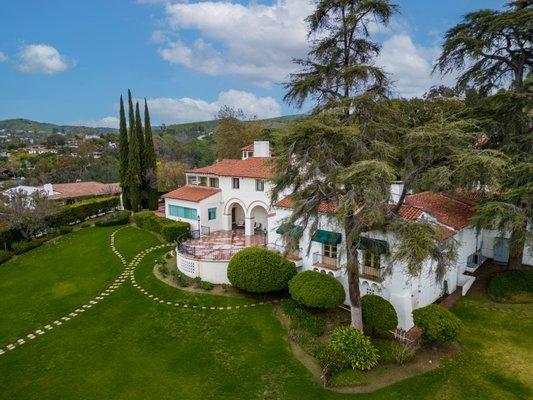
(259, 219)
(237, 216)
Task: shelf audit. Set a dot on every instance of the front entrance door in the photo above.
(233, 216)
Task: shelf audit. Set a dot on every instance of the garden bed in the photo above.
(304, 345)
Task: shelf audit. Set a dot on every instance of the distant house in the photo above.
(41, 150)
(69, 193)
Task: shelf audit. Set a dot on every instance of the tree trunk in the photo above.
(516, 248)
(352, 267)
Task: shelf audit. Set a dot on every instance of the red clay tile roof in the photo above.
(191, 193)
(253, 167)
(445, 209)
(249, 147)
(444, 233)
(83, 189)
(409, 212)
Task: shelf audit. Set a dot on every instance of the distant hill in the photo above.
(44, 127)
(198, 129)
(188, 130)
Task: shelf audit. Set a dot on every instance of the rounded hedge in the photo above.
(259, 270)
(378, 313)
(315, 289)
(438, 325)
(355, 346)
(514, 286)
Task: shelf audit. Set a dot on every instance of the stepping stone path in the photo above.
(127, 274)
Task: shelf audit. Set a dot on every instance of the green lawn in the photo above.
(130, 347)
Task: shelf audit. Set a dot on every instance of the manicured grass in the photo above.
(130, 347)
(47, 282)
(131, 240)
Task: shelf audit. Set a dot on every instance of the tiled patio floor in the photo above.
(221, 245)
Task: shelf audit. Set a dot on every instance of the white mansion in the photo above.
(228, 206)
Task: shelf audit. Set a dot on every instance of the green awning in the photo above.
(372, 245)
(291, 230)
(326, 237)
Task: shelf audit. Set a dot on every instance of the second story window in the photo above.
(235, 183)
(371, 264)
(213, 182)
(191, 180)
(259, 185)
(330, 250)
(203, 180)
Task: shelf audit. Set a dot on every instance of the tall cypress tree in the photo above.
(123, 148)
(149, 162)
(134, 159)
(140, 139)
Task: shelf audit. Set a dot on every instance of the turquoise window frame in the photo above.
(183, 212)
(211, 214)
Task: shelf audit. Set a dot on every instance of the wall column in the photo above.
(248, 226)
(402, 303)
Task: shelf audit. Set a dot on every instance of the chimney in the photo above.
(49, 189)
(261, 148)
(396, 189)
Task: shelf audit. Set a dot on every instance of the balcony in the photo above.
(323, 261)
(370, 273)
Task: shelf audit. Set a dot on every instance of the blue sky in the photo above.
(67, 61)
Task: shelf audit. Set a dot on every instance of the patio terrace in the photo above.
(220, 245)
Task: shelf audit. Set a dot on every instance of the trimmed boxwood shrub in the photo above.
(331, 361)
(302, 318)
(175, 230)
(5, 255)
(259, 270)
(512, 285)
(378, 313)
(147, 220)
(438, 325)
(63, 230)
(22, 247)
(355, 346)
(82, 210)
(315, 289)
(169, 229)
(114, 219)
(9, 236)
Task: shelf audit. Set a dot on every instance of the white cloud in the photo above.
(258, 42)
(254, 41)
(41, 59)
(171, 110)
(3, 57)
(106, 122)
(410, 65)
